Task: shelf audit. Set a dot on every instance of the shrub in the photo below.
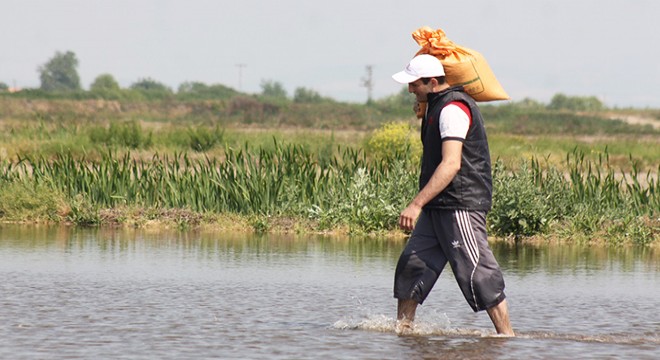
(151, 89)
(31, 201)
(203, 139)
(575, 103)
(520, 206)
(252, 110)
(360, 208)
(371, 200)
(127, 134)
(104, 82)
(83, 211)
(273, 90)
(395, 138)
(308, 96)
(197, 90)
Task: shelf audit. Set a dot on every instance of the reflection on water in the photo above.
(562, 259)
(85, 293)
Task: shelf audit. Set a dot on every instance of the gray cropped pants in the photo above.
(458, 237)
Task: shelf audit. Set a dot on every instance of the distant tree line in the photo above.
(59, 78)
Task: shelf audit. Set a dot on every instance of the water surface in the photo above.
(119, 294)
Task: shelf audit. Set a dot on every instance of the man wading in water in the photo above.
(448, 215)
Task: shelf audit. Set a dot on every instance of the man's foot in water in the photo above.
(403, 327)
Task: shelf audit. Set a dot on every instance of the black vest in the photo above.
(471, 188)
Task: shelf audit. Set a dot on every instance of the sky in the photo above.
(603, 48)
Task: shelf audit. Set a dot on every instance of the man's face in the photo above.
(420, 89)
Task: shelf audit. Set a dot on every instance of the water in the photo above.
(81, 294)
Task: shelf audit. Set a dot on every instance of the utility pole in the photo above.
(240, 76)
(369, 83)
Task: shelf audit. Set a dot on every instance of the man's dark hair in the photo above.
(441, 80)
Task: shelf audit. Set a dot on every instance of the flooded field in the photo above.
(117, 294)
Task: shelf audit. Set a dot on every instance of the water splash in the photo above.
(442, 327)
(430, 325)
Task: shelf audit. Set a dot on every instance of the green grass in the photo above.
(332, 166)
(588, 200)
(585, 200)
(518, 120)
(512, 148)
(288, 180)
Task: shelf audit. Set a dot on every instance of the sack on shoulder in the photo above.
(463, 66)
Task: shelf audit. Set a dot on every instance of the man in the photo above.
(448, 215)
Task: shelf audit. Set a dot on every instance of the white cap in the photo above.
(421, 66)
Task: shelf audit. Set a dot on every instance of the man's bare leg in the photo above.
(499, 315)
(405, 315)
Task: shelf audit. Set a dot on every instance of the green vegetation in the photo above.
(393, 139)
(346, 191)
(594, 202)
(128, 134)
(571, 170)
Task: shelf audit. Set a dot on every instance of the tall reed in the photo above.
(349, 189)
(288, 180)
(590, 199)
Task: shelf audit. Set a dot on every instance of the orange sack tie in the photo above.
(463, 66)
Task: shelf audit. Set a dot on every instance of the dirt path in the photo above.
(636, 120)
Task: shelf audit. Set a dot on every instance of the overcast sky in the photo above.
(605, 48)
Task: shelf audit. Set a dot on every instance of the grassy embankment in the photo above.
(243, 164)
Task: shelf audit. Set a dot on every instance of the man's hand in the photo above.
(409, 216)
